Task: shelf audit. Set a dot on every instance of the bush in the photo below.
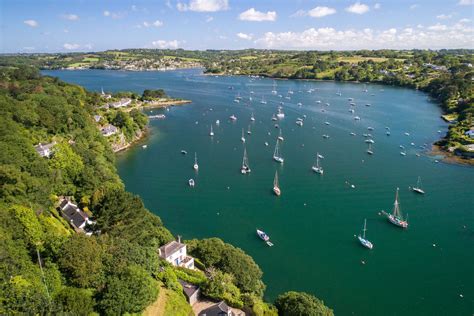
(301, 304)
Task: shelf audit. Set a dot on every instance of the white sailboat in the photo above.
(242, 138)
(280, 137)
(249, 131)
(263, 100)
(274, 91)
(280, 114)
(195, 166)
(276, 154)
(211, 133)
(252, 118)
(396, 217)
(418, 188)
(369, 150)
(245, 164)
(366, 243)
(317, 168)
(276, 185)
(191, 183)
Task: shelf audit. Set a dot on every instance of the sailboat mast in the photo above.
(396, 207)
(195, 158)
(365, 226)
(275, 181)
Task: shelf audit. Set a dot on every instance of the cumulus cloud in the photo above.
(245, 36)
(69, 46)
(174, 44)
(466, 2)
(414, 6)
(434, 37)
(257, 16)
(209, 19)
(444, 16)
(377, 6)
(70, 17)
(319, 12)
(31, 23)
(358, 8)
(464, 21)
(203, 5)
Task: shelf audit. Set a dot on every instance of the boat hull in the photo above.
(276, 191)
(397, 222)
(364, 242)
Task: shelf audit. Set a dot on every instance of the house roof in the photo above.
(40, 148)
(217, 310)
(188, 288)
(170, 248)
(73, 214)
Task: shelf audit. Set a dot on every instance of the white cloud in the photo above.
(414, 6)
(319, 12)
(31, 23)
(377, 6)
(209, 19)
(298, 14)
(203, 5)
(444, 16)
(69, 46)
(257, 16)
(245, 36)
(434, 37)
(466, 2)
(464, 21)
(358, 8)
(438, 27)
(88, 46)
(222, 37)
(29, 48)
(114, 15)
(157, 23)
(70, 17)
(165, 44)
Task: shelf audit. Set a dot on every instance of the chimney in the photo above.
(179, 239)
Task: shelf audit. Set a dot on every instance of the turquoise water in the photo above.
(419, 271)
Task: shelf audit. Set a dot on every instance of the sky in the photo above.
(31, 26)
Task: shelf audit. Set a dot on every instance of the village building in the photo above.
(97, 118)
(45, 150)
(105, 95)
(191, 291)
(175, 253)
(109, 130)
(470, 133)
(76, 217)
(221, 309)
(121, 103)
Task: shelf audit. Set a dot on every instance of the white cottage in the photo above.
(175, 253)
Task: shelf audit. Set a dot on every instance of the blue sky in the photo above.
(87, 25)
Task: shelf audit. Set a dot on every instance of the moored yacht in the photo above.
(365, 242)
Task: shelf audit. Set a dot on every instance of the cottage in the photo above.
(45, 150)
(221, 309)
(109, 130)
(77, 218)
(119, 104)
(105, 95)
(191, 291)
(470, 133)
(175, 253)
(97, 118)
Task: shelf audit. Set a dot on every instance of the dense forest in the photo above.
(48, 268)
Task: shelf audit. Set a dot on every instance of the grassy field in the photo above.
(90, 59)
(169, 303)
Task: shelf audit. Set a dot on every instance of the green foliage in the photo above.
(214, 252)
(301, 304)
(128, 291)
(176, 304)
(81, 261)
(153, 94)
(220, 286)
(74, 301)
(258, 307)
(169, 278)
(191, 276)
(33, 232)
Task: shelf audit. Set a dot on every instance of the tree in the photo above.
(128, 291)
(81, 260)
(301, 304)
(74, 301)
(220, 286)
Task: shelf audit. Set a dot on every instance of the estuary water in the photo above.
(424, 270)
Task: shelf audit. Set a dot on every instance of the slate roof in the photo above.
(217, 310)
(170, 248)
(73, 214)
(44, 149)
(188, 288)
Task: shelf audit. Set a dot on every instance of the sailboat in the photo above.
(280, 137)
(396, 217)
(211, 133)
(263, 100)
(280, 114)
(245, 164)
(369, 150)
(274, 91)
(317, 168)
(191, 183)
(418, 188)
(249, 131)
(242, 138)
(362, 239)
(276, 186)
(195, 166)
(264, 237)
(252, 118)
(276, 154)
